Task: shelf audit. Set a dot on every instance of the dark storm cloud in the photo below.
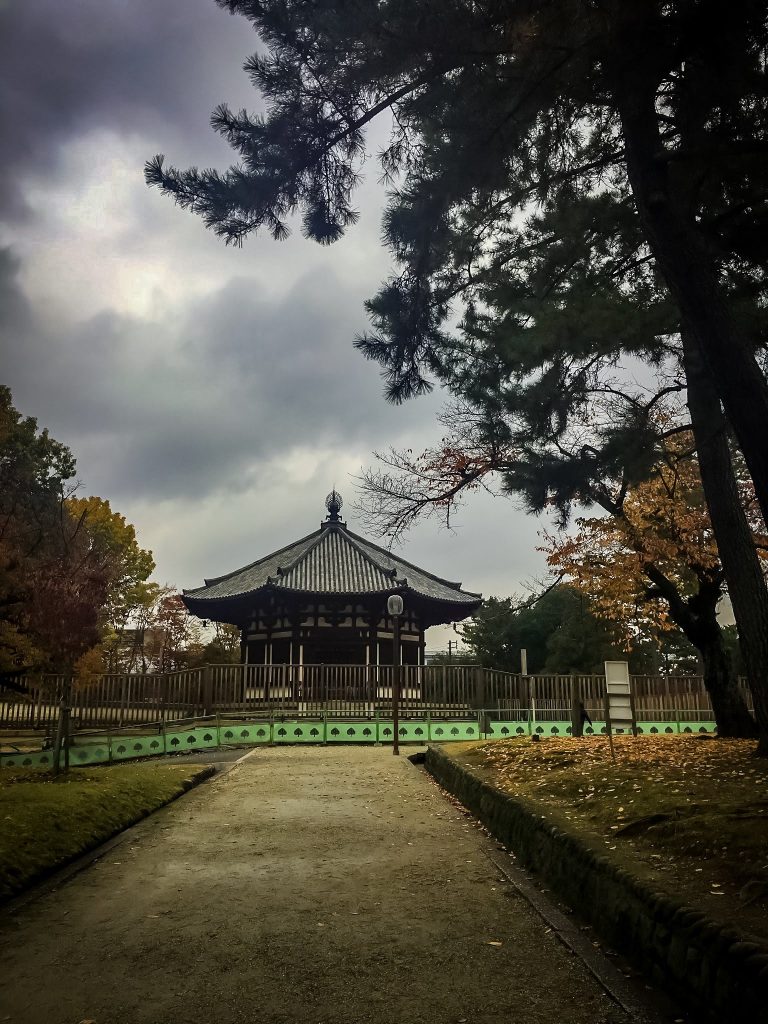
(149, 66)
(215, 396)
(206, 392)
(200, 403)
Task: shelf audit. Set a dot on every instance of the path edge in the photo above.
(704, 964)
(61, 875)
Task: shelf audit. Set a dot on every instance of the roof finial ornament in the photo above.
(333, 503)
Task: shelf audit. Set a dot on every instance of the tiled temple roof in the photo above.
(333, 560)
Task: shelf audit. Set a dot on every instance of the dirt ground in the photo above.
(308, 884)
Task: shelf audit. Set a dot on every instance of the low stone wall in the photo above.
(706, 966)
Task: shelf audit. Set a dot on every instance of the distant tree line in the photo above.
(564, 632)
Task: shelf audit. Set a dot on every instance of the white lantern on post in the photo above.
(395, 610)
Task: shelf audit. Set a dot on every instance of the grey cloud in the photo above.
(201, 403)
(185, 420)
(127, 65)
(295, 354)
(15, 311)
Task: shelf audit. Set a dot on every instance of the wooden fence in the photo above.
(348, 690)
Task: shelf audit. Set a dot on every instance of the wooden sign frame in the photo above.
(619, 699)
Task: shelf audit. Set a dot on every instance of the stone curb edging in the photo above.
(706, 965)
(58, 876)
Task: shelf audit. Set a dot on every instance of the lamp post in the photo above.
(395, 610)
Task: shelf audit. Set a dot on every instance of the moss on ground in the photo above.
(689, 815)
(47, 822)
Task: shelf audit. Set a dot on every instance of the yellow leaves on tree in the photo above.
(662, 523)
(68, 566)
(89, 667)
(114, 550)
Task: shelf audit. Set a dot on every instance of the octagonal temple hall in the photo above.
(323, 600)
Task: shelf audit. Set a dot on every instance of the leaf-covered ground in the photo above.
(689, 815)
(47, 822)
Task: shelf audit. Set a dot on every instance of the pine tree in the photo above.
(493, 108)
(560, 633)
(644, 119)
(569, 297)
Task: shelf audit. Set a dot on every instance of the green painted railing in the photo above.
(324, 728)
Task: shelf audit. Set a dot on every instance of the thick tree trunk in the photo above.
(741, 564)
(697, 618)
(690, 273)
(61, 737)
(731, 712)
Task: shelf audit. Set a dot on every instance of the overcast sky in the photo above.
(211, 394)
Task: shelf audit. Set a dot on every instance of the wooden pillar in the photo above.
(207, 690)
(421, 660)
(293, 654)
(295, 638)
(370, 654)
(479, 687)
(267, 679)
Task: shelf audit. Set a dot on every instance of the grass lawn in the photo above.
(47, 822)
(688, 815)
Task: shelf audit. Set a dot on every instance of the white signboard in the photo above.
(618, 696)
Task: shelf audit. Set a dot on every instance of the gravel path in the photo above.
(308, 884)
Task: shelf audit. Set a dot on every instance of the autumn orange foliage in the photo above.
(663, 522)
